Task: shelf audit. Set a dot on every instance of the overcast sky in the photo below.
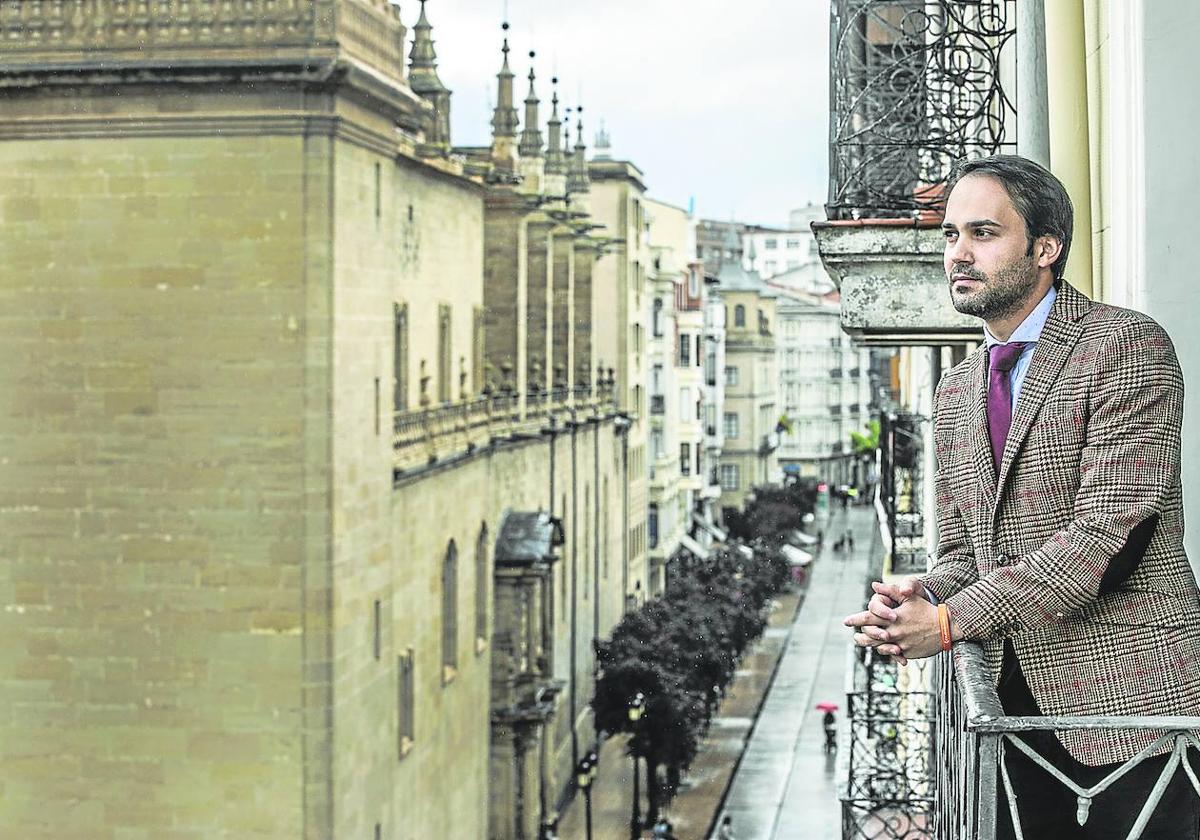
(723, 102)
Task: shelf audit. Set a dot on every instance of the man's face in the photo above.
(987, 263)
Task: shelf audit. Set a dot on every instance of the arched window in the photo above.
(482, 574)
(450, 611)
(739, 316)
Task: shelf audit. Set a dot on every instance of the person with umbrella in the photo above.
(829, 721)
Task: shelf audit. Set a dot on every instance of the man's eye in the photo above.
(983, 234)
(950, 235)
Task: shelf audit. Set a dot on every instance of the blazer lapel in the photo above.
(1053, 349)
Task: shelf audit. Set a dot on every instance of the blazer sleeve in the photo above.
(1129, 466)
(954, 567)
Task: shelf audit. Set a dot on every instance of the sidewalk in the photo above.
(703, 786)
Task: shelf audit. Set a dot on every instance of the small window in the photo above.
(739, 316)
(731, 425)
(685, 459)
(482, 574)
(730, 477)
(450, 612)
(731, 375)
(771, 244)
(405, 702)
(657, 319)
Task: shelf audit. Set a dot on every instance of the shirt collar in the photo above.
(1030, 330)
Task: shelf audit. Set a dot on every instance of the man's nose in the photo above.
(959, 252)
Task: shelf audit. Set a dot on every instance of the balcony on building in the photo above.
(914, 87)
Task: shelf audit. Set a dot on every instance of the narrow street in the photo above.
(782, 785)
(786, 787)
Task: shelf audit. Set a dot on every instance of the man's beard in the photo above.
(1000, 294)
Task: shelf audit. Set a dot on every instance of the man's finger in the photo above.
(863, 640)
(876, 633)
(862, 619)
(881, 607)
(888, 590)
(911, 586)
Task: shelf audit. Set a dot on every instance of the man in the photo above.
(1059, 511)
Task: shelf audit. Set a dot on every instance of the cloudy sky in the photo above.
(725, 103)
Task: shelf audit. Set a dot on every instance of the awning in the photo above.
(797, 537)
(796, 556)
(717, 533)
(694, 547)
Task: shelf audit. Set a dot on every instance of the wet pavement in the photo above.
(763, 761)
(786, 787)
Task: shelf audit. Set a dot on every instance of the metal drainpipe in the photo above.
(547, 593)
(624, 519)
(1033, 104)
(595, 539)
(574, 588)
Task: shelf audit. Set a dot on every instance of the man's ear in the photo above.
(1047, 249)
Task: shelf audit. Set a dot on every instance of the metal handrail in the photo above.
(973, 733)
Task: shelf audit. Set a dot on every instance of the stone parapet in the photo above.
(111, 33)
(892, 284)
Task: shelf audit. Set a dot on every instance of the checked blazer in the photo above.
(1074, 547)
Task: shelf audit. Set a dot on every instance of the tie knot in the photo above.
(1004, 356)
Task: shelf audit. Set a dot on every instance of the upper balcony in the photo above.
(915, 86)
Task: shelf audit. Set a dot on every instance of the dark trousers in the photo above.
(1047, 808)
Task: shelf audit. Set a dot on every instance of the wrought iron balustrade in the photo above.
(888, 793)
(915, 86)
(973, 734)
(901, 487)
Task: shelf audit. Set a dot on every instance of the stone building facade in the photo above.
(284, 369)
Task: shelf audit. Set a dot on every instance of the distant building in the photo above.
(750, 414)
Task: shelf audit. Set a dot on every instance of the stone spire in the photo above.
(577, 174)
(531, 137)
(504, 119)
(423, 79)
(556, 159)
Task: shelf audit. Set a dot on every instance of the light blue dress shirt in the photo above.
(1030, 330)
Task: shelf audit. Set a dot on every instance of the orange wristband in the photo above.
(943, 615)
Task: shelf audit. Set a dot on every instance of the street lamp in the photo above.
(636, 706)
(584, 773)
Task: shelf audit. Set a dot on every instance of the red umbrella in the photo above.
(827, 707)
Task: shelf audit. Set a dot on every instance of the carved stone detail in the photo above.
(33, 31)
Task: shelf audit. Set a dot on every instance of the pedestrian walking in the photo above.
(829, 722)
(1065, 427)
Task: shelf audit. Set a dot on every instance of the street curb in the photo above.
(712, 825)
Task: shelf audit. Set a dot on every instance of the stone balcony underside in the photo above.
(892, 284)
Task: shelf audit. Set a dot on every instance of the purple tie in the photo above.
(1001, 359)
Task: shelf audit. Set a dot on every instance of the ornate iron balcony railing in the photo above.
(901, 479)
(915, 86)
(889, 783)
(973, 734)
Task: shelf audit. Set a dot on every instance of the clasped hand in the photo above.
(899, 621)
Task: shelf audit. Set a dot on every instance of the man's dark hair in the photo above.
(1038, 196)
